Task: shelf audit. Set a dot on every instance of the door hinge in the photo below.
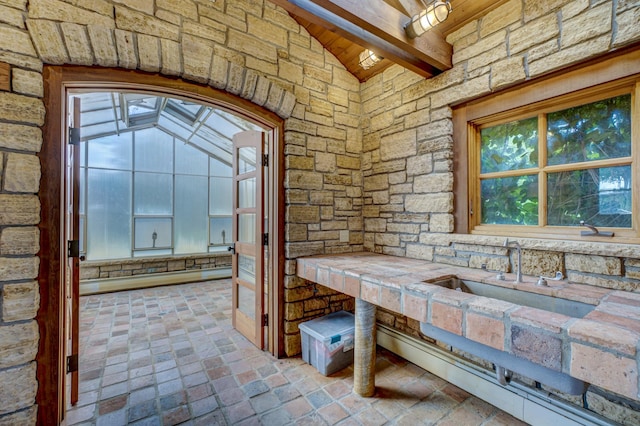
(265, 320)
(74, 136)
(73, 248)
(265, 239)
(72, 363)
(265, 160)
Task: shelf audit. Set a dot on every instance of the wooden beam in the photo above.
(5, 76)
(396, 47)
(387, 23)
(411, 7)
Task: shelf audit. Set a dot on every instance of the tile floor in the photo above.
(169, 355)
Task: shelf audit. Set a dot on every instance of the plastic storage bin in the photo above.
(327, 342)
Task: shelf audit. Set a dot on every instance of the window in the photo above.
(550, 167)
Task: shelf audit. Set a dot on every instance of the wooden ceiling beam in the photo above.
(377, 26)
(387, 23)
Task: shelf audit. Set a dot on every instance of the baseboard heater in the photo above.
(533, 406)
(107, 285)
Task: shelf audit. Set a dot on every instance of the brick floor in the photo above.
(169, 356)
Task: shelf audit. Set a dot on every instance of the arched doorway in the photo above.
(52, 364)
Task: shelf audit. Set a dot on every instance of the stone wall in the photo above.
(407, 161)
(121, 268)
(248, 48)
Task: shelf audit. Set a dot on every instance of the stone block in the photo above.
(535, 9)
(18, 268)
(18, 343)
(507, 72)
(186, 8)
(435, 182)
(20, 137)
(429, 203)
(21, 109)
(19, 209)
(89, 272)
(22, 173)
(48, 41)
(569, 55)
(420, 164)
(28, 82)
(501, 17)
(21, 301)
(131, 20)
(533, 33)
(57, 10)
(589, 24)
(298, 179)
(610, 371)
(18, 241)
(594, 264)
(24, 417)
(11, 16)
(19, 388)
(104, 46)
(17, 41)
(149, 53)
(77, 42)
(171, 57)
(441, 223)
(628, 27)
(398, 145)
(197, 55)
(376, 182)
(536, 263)
(539, 348)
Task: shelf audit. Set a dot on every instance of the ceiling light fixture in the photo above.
(368, 59)
(436, 12)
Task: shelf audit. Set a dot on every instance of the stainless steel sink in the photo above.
(558, 305)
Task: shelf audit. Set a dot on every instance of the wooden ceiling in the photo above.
(346, 27)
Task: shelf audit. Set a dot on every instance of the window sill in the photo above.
(541, 242)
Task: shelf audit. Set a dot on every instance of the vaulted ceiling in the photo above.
(347, 27)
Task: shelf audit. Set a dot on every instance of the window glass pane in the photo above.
(83, 154)
(510, 146)
(154, 151)
(83, 243)
(247, 193)
(83, 183)
(218, 168)
(246, 159)
(600, 197)
(220, 231)
(153, 193)
(152, 232)
(510, 200)
(111, 152)
(191, 215)
(191, 161)
(108, 214)
(220, 196)
(595, 131)
(247, 301)
(247, 228)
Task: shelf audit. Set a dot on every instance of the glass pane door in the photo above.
(248, 223)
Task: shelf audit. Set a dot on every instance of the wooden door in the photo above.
(71, 271)
(248, 236)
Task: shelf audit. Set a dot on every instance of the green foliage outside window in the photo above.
(583, 134)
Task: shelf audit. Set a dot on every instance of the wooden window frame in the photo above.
(599, 79)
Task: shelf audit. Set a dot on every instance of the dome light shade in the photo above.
(368, 58)
(436, 12)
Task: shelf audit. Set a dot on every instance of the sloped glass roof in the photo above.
(206, 128)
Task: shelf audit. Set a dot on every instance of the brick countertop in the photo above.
(601, 348)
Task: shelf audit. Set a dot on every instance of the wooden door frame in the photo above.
(58, 79)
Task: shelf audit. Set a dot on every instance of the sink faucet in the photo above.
(507, 244)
